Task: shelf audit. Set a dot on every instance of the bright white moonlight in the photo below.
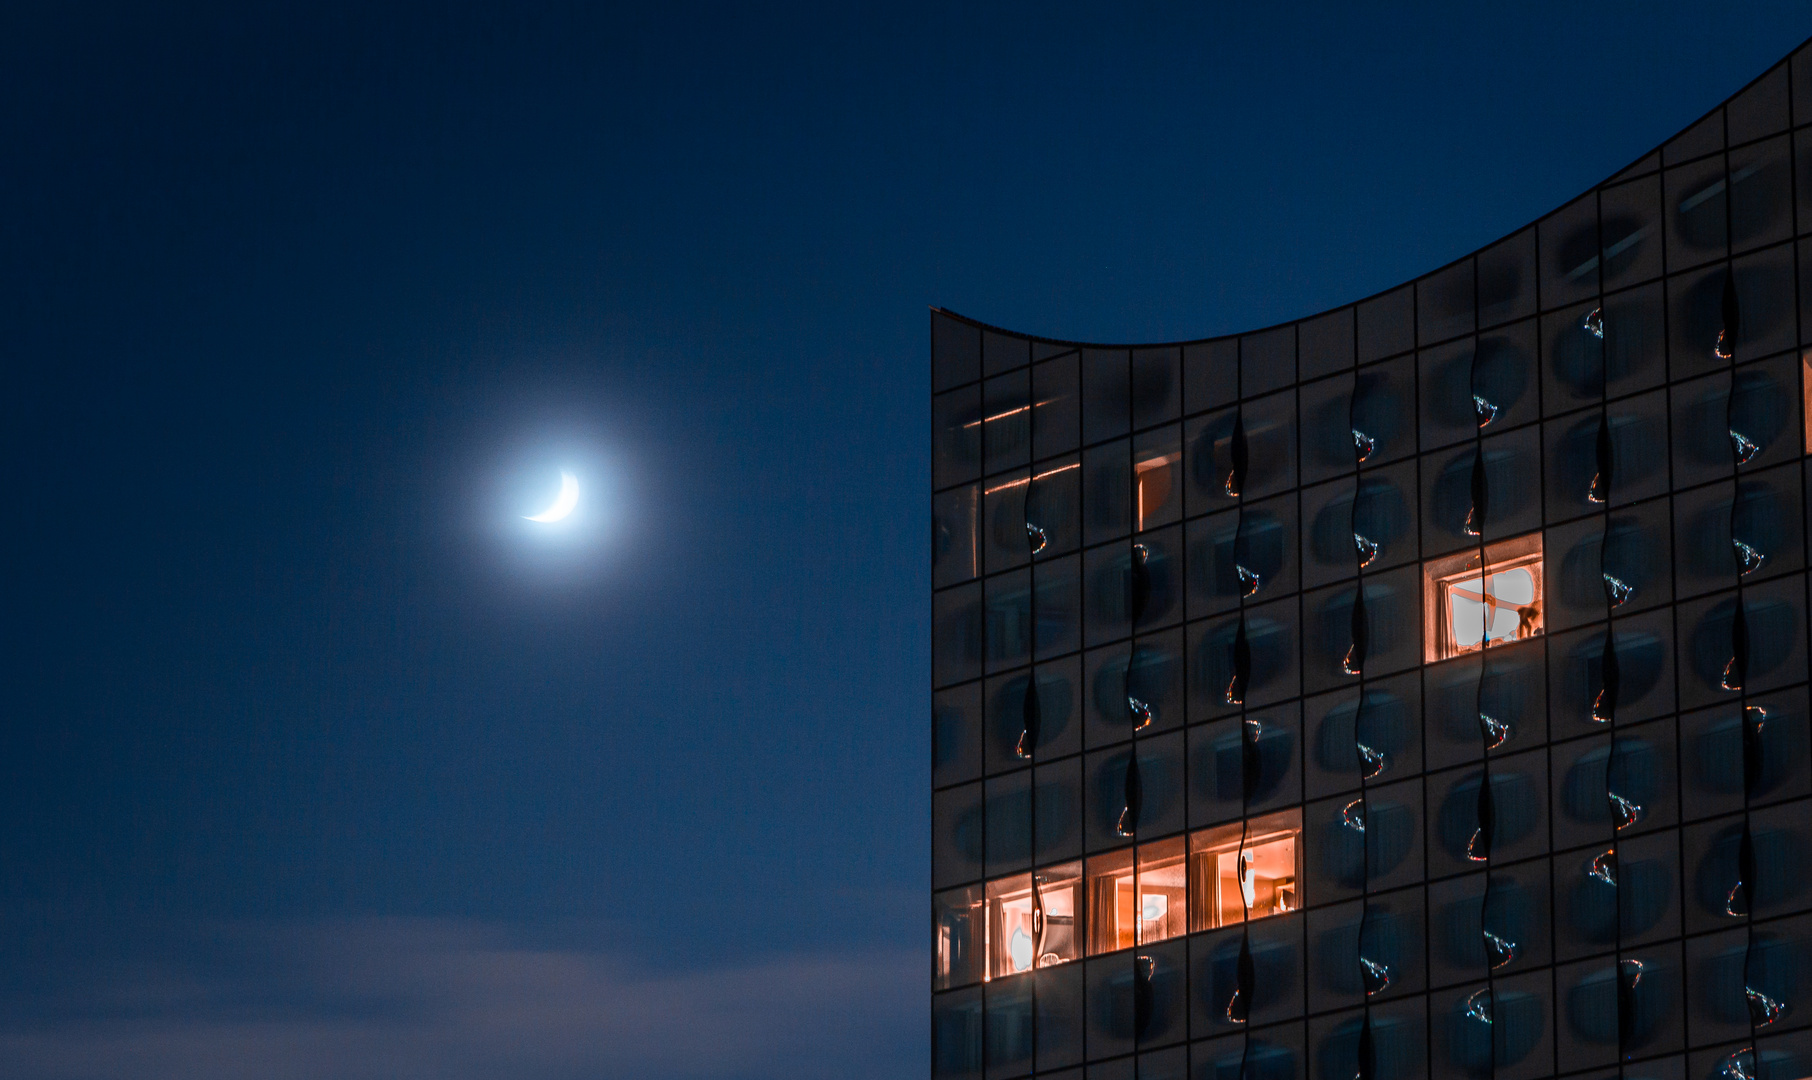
(563, 503)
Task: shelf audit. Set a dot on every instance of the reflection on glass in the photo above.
(1471, 610)
(1032, 920)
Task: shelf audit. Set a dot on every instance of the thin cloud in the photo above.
(399, 999)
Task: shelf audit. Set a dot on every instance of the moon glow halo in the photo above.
(563, 503)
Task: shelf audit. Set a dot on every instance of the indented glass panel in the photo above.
(956, 1035)
(1210, 375)
(1275, 991)
(1570, 253)
(956, 727)
(1506, 289)
(1638, 437)
(1488, 382)
(955, 536)
(1106, 399)
(1630, 227)
(1003, 352)
(1468, 609)
(1730, 879)
(1034, 920)
(1219, 683)
(955, 352)
(1494, 700)
(1134, 687)
(1250, 869)
(1697, 220)
(1722, 763)
(1761, 194)
(1387, 324)
(1503, 932)
(1471, 832)
(1325, 343)
(1347, 639)
(1056, 412)
(1363, 418)
(1760, 109)
(1716, 665)
(1629, 893)
(1444, 303)
(1244, 764)
(1006, 421)
(1032, 514)
(1360, 524)
(1267, 361)
(1499, 1030)
(1764, 286)
(1353, 740)
(956, 441)
(1398, 1038)
(1350, 839)
(1643, 685)
(1454, 515)
(1156, 394)
(957, 634)
(1123, 804)
(1269, 429)
(1762, 539)
(1248, 553)
(1045, 727)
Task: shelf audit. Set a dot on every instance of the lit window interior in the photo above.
(1805, 392)
(1020, 923)
(1470, 610)
(1259, 877)
(1156, 478)
(1032, 920)
(1136, 904)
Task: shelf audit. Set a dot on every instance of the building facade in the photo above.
(1418, 689)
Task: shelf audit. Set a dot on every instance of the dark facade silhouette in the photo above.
(1418, 689)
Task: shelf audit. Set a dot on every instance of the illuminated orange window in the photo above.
(1033, 920)
(1805, 393)
(1127, 908)
(1467, 609)
(1156, 479)
(1231, 882)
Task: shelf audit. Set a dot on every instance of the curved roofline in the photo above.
(1640, 160)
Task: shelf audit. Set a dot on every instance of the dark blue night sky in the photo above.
(316, 761)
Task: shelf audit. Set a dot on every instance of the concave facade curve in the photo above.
(1415, 689)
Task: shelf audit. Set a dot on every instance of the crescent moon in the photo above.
(564, 503)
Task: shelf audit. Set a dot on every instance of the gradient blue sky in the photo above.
(314, 763)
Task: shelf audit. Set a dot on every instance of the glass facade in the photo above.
(1415, 690)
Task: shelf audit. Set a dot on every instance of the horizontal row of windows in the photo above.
(1664, 772)
(1651, 554)
(1058, 914)
(1305, 438)
(1302, 1019)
